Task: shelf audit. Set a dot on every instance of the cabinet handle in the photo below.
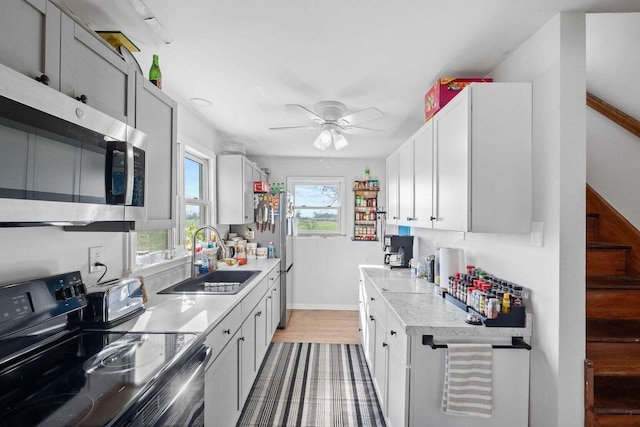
(384, 344)
(409, 218)
(371, 318)
(227, 331)
(274, 289)
(83, 99)
(393, 332)
(259, 313)
(395, 217)
(373, 299)
(241, 339)
(44, 79)
(433, 218)
(269, 297)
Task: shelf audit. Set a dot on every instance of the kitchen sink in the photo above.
(219, 282)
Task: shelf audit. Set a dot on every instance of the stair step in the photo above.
(591, 226)
(617, 396)
(606, 259)
(612, 282)
(615, 359)
(613, 303)
(613, 330)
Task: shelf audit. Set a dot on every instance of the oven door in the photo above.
(177, 400)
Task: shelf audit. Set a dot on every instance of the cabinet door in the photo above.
(392, 189)
(380, 366)
(156, 115)
(451, 127)
(396, 390)
(247, 346)
(370, 352)
(405, 183)
(362, 317)
(275, 300)
(263, 338)
(90, 67)
(221, 387)
(423, 176)
(30, 30)
(247, 211)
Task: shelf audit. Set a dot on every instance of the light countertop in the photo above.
(198, 313)
(422, 311)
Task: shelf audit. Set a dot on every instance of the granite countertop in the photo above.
(423, 311)
(198, 313)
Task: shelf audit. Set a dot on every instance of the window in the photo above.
(197, 194)
(318, 205)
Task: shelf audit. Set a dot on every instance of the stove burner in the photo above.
(32, 412)
(124, 357)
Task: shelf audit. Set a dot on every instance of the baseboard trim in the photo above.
(324, 307)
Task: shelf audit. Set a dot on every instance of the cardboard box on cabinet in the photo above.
(443, 91)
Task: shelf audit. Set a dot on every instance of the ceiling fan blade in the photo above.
(310, 114)
(358, 130)
(365, 115)
(294, 127)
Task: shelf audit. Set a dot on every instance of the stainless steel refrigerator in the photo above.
(279, 230)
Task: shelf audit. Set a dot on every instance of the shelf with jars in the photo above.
(365, 224)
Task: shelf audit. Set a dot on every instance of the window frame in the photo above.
(341, 207)
(208, 163)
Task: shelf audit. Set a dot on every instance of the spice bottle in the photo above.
(506, 303)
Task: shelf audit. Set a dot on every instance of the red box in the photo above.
(261, 187)
(443, 91)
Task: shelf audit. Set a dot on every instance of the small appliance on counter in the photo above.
(113, 302)
(398, 250)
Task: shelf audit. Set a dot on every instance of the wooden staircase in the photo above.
(612, 367)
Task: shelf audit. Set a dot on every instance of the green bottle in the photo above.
(155, 75)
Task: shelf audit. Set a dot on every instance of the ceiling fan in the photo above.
(332, 118)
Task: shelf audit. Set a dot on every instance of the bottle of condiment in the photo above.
(506, 303)
(155, 75)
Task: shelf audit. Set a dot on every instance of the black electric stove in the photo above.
(52, 373)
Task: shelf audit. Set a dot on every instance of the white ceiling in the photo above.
(251, 57)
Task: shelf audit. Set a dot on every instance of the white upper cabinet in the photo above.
(483, 160)
(415, 177)
(235, 189)
(469, 167)
(392, 189)
(92, 70)
(156, 115)
(40, 39)
(30, 30)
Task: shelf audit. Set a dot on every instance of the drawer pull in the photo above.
(384, 344)
(44, 79)
(227, 331)
(259, 313)
(371, 318)
(82, 98)
(373, 299)
(393, 332)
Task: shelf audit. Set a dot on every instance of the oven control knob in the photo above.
(80, 113)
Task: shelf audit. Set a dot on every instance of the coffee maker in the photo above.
(398, 250)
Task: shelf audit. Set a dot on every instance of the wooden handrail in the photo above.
(612, 113)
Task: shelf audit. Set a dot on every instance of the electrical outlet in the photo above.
(95, 255)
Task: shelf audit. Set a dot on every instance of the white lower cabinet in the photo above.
(380, 366)
(221, 387)
(396, 388)
(239, 344)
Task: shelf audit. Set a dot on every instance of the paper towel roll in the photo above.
(449, 264)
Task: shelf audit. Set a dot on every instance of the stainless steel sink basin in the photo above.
(219, 282)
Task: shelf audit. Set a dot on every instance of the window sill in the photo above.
(161, 267)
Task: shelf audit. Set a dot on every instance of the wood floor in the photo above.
(321, 326)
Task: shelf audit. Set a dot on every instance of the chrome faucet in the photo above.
(225, 250)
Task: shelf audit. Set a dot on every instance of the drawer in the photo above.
(377, 305)
(396, 336)
(218, 338)
(274, 277)
(249, 302)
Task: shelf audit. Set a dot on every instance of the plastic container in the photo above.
(271, 251)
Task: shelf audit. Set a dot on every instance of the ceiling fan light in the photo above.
(323, 140)
(339, 141)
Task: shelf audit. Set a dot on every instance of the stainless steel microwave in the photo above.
(63, 162)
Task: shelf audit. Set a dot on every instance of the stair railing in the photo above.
(612, 113)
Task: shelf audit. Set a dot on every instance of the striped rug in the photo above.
(313, 385)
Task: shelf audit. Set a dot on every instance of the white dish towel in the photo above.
(467, 380)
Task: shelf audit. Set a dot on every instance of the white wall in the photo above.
(326, 269)
(613, 62)
(553, 60)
